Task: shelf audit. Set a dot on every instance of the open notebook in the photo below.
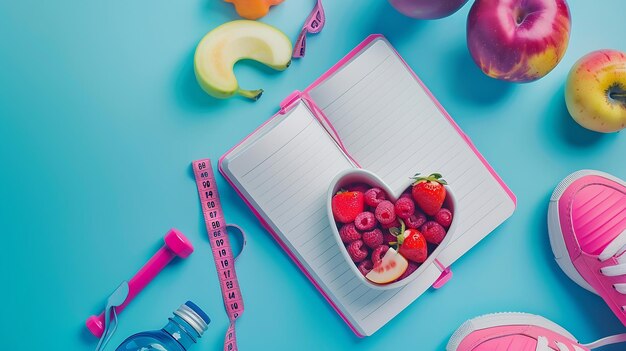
(368, 111)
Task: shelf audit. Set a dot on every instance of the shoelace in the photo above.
(616, 248)
(543, 343)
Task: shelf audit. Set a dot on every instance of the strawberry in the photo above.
(429, 192)
(411, 243)
(346, 205)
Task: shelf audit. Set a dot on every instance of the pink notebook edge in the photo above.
(319, 80)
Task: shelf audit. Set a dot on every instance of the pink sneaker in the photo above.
(587, 226)
(519, 332)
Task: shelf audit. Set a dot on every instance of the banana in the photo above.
(222, 47)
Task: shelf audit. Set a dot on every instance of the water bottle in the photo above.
(182, 331)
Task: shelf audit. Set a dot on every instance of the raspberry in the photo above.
(388, 238)
(365, 221)
(404, 207)
(433, 232)
(348, 233)
(444, 217)
(378, 254)
(385, 213)
(416, 220)
(412, 267)
(365, 267)
(407, 195)
(373, 238)
(374, 196)
(356, 251)
(360, 187)
(395, 223)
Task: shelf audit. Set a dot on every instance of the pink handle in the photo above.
(176, 244)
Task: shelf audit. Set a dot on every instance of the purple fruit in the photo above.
(427, 9)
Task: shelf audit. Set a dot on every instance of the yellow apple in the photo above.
(595, 92)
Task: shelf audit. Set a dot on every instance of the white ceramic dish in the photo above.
(352, 176)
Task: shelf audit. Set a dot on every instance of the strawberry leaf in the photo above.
(435, 177)
(400, 240)
(341, 191)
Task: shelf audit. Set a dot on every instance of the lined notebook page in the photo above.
(391, 127)
(285, 172)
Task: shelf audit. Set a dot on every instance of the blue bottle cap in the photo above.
(194, 316)
(199, 311)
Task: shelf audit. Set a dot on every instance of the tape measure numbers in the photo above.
(220, 246)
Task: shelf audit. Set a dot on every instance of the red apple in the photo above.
(595, 92)
(518, 41)
(427, 9)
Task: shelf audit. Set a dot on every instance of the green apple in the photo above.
(595, 92)
(222, 47)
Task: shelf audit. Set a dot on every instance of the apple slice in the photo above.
(390, 268)
(222, 47)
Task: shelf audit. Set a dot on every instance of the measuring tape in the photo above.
(222, 252)
(313, 24)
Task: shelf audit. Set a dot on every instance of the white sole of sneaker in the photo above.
(559, 249)
(502, 319)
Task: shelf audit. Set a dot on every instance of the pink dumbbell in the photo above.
(176, 244)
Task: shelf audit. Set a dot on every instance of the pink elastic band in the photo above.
(321, 117)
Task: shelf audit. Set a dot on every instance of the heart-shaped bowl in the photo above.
(357, 175)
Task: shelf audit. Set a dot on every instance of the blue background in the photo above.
(100, 117)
